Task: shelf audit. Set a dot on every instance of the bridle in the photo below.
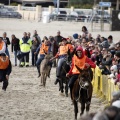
(82, 86)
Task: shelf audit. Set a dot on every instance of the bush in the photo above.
(14, 4)
(81, 6)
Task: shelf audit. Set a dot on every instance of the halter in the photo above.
(83, 87)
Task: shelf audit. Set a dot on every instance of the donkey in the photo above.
(45, 68)
(65, 69)
(82, 91)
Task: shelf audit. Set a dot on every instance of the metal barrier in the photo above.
(103, 85)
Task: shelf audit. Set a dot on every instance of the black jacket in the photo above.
(7, 41)
(15, 44)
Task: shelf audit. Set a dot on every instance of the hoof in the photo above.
(41, 84)
(81, 114)
(66, 95)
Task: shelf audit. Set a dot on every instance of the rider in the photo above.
(5, 70)
(42, 49)
(62, 54)
(82, 61)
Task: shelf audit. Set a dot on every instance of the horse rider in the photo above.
(25, 47)
(5, 70)
(2, 46)
(62, 54)
(43, 49)
(83, 62)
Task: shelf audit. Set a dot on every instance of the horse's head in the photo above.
(84, 77)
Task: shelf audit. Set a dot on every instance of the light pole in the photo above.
(9, 2)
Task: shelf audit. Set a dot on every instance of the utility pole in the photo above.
(58, 4)
(117, 4)
(9, 2)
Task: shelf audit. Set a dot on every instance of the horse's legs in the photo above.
(44, 80)
(75, 108)
(41, 79)
(66, 89)
(62, 87)
(88, 105)
(82, 108)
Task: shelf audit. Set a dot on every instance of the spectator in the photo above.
(7, 41)
(36, 35)
(54, 48)
(58, 38)
(29, 35)
(15, 47)
(25, 46)
(35, 44)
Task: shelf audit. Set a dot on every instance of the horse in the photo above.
(82, 91)
(64, 70)
(45, 68)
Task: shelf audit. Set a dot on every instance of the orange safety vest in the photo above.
(44, 49)
(4, 63)
(63, 50)
(1, 45)
(70, 47)
(78, 62)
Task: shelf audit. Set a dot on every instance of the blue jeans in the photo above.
(7, 52)
(60, 62)
(15, 55)
(34, 58)
(39, 60)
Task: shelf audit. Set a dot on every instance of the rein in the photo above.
(83, 87)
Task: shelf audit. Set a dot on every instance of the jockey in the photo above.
(5, 70)
(62, 54)
(83, 62)
(43, 49)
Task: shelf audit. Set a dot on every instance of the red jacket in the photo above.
(92, 64)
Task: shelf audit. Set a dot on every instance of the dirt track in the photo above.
(24, 98)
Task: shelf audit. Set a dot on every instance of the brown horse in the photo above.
(45, 69)
(82, 91)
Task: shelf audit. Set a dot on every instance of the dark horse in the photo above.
(64, 70)
(82, 91)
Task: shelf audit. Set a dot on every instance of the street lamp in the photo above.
(9, 2)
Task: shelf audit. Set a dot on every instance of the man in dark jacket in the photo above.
(58, 38)
(15, 47)
(7, 41)
(36, 35)
(5, 70)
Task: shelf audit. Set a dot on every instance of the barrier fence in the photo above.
(103, 85)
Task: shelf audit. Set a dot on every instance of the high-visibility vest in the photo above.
(4, 63)
(63, 50)
(25, 47)
(78, 62)
(44, 49)
(1, 45)
(70, 47)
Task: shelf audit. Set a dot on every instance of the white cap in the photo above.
(116, 103)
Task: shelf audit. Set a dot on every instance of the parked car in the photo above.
(10, 14)
(77, 16)
(61, 15)
(97, 15)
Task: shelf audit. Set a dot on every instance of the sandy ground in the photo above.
(24, 98)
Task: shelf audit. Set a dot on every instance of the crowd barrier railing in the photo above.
(103, 86)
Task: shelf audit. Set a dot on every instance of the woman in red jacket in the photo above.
(83, 62)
